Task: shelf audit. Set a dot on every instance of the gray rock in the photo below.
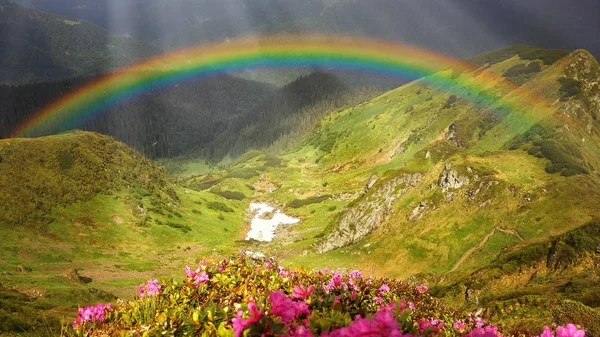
(452, 135)
(372, 181)
(449, 179)
(371, 211)
(419, 211)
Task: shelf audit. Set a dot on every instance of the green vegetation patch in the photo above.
(297, 203)
(219, 206)
(569, 88)
(522, 73)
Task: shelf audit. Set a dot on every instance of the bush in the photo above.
(242, 173)
(568, 88)
(564, 158)
(66, 160)
(297, 203)
(219, 206)
(183, 228)
(278, 302)
(451, 100)
(230, 195)
(521, 73)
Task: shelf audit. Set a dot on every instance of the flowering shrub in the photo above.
(91, 314)
(242, 297)
(150, 288)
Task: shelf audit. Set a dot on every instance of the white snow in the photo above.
(264, 229)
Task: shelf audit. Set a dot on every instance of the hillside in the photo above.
(40, 46)
(431, 182)
(418, 184)
(85, 218)
(286, 113)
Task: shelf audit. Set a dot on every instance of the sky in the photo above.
(459, 28)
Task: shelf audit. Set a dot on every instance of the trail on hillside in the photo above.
(473, 250)
(482, 243)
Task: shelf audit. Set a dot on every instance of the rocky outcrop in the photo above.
(419, 211)
(370, 183)
(450, 179)
(452, 135)
(368, 214)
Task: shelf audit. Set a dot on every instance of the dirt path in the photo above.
(482, 243)
(473, 250)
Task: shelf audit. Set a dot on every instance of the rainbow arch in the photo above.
(339, 52)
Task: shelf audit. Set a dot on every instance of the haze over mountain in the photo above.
(456, 27)
(39, 46)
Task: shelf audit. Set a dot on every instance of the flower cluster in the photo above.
(563, 331)
(244, 297)
(91, 314)
(198, 276)
(149, 288)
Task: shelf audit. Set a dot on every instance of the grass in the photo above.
(120, 232)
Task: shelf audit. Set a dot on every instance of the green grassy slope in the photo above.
(455, 184)
(82, 201)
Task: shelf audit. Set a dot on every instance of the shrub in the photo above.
(242, 173)
(219, 206)
(451, 100)
(219, 300)
(183, 228)
(231, 195)
(297, 203)
(66, 160)
(568, 88)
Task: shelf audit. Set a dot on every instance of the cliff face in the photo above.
(370, 211)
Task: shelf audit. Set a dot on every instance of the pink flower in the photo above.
(302, 293)
(421, 289)
(282, 306)
(221, 268)
(268, 266)
(355, 274)
(377, 299)
(384, 289)
(199, 279)
(300, 331)
(239, 324)
(95, 313)
(479, 322)
(569, 331)
(488, 331)
(547, 332)
(433, 323)
(460, 326)
(149, 288)
(191, 274)
(256, 314)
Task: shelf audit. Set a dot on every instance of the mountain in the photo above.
(212, 117)
(296, 107)
(428, 186)
(40, 46)
(494, 208)
(164, 122)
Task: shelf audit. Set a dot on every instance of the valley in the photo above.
(496, 211)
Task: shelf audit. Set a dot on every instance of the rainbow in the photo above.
(339, 52)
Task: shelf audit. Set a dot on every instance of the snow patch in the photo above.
(264, 229)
